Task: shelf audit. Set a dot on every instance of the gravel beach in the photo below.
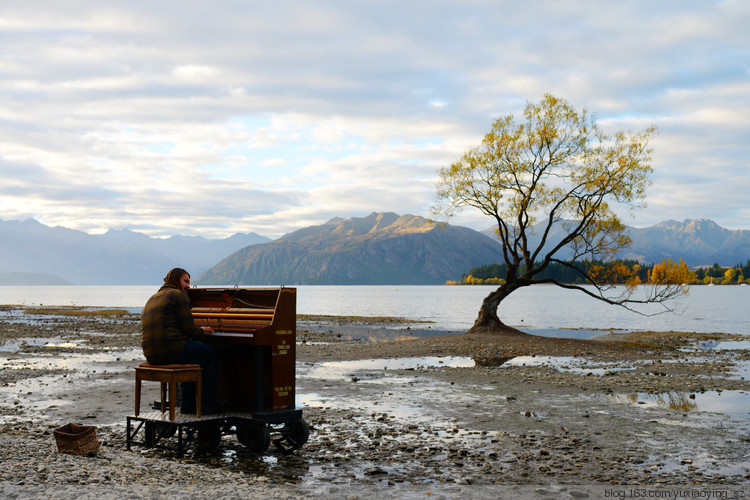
(395, 411)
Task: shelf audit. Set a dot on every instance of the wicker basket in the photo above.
(76, 439)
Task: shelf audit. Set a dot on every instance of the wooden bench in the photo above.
(168, 375)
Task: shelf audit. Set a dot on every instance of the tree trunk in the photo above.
(487, 320)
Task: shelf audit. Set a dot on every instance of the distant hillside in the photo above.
(114, 258)
(382, 248)
(194, 253)
(15, 279)
(699, 242)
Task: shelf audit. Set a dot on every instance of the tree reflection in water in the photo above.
(679, 401)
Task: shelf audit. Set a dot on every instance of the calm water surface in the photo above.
(453, 308)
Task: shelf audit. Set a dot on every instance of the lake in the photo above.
(538, 309)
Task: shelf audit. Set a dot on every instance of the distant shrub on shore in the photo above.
(621, 272)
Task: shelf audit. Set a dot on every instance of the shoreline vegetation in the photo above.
(626, 272)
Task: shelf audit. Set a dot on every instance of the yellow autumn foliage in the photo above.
(668, 272)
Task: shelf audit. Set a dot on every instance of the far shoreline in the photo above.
(388, 326)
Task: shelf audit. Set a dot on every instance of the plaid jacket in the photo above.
(166, 324)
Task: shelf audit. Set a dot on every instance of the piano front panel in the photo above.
(255, 334)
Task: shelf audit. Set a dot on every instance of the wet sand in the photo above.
(517, 415)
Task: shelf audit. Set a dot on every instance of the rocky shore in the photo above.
(394, 412)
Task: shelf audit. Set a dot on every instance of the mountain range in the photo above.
(32, 253)
(698, 242)
(382, 248)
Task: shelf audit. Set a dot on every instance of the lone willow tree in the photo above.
(550, 182)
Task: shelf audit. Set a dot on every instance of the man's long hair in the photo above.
(173, 277)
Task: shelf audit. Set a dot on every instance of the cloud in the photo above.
(210, 118)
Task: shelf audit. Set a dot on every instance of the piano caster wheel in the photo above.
(209, 437)
(298, 432)
(256, 437)
(294, 434)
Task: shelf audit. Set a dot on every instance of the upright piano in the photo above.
(255, 334)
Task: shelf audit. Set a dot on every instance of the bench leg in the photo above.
(137, 395)
(172, 398)
(198, 394)
(163, 396)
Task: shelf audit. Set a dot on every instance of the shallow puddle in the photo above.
(404, 399)
(728, 402)
(73, 360)
(346, 370)
(52, 342)
(53, 375)
(372, 370)
(701, 461)
(720, 345)
(567, 364)
(569, 333)
(741, 370)
(17, 344)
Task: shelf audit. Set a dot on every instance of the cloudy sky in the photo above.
(210, 118)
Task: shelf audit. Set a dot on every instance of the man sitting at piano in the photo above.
(169, 336)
